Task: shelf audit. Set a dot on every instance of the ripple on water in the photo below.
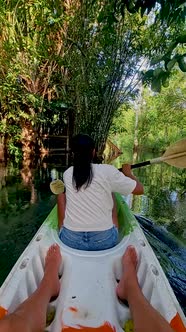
(171, 255)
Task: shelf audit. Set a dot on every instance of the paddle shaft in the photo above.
(142, 164)
(157, 160)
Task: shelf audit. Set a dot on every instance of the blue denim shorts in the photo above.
(90, 241)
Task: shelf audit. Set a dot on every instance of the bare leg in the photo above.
(61, 204)
(145, 317)
(30, 316)
(114, 212)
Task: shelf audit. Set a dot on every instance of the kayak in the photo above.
(87, 300)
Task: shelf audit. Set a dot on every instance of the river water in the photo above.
(26, 200)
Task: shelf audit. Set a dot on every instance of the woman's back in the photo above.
(90, 208)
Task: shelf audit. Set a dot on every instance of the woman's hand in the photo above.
(126, 169)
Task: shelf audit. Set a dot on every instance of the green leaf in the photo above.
(182, 64)
(112, 19)
(158, 72)
(156, 60)
(122, 9)
(165, 10)
(171, 64)
(131, 7)
(149, 73)
(156, 85)
(101, 16)
(165, 83)
(182, 38)
(165, 80)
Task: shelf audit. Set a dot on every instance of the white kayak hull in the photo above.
(87, 299)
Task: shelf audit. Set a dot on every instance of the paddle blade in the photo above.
(57, 187)
(178, 151)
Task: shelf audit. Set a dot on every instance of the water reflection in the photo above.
(25, 201)
(165, 193)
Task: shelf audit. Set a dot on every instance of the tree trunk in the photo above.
(29, 140)
(136, 143)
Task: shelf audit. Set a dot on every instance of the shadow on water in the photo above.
(171, 255)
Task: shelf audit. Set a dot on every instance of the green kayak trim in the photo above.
(51, 221)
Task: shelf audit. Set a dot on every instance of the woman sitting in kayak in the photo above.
(88, 223)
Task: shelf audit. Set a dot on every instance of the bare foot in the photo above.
(129, 275)
(52, 264)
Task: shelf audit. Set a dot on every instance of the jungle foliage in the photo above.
(86, 56)
(161, 117)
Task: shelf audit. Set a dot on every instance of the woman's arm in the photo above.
(126, 170)
(61, 205)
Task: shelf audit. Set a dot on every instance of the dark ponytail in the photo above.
(82, 148)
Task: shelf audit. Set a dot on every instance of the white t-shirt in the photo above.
(90, 209)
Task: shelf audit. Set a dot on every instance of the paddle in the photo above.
(57, 187)
(175, 155)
